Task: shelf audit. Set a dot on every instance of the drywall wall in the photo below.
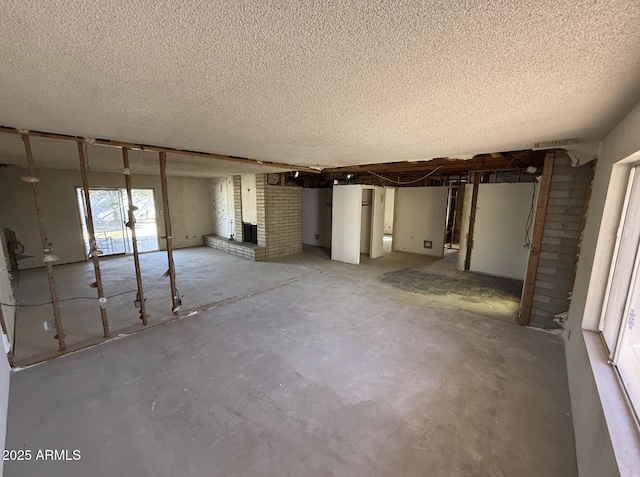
(189, 201)
(594, 447)
(5, 376)
(389, 204)
(6, 293)
(499, 229)
(222, 206)
(316, 217)
(345, 223)
(249, 199)
(421, 214)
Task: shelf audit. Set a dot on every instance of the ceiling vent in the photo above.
(557, 143)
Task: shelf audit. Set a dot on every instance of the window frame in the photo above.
(625, 290)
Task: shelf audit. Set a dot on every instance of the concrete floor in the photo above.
(317, 368)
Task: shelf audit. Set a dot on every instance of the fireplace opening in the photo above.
(249, 233)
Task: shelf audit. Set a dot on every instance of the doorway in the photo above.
(109, 208)
(366, 221)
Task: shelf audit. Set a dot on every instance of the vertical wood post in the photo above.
(46, 245)
(524, 317)
(134, 239)
(167, 231)
(93, 247)
(475, 177)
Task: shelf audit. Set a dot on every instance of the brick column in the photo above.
(263, 232)
(237, 208)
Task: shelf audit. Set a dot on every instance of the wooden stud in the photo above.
(475, 178)
(46, 245)
(167, 231)
(524, 317)
(93, 247)
(134, 238)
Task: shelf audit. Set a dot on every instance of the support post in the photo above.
(524, 317)
(46, 245)
(134, 239)
(175, 302)
(93, 247)
(476, 176)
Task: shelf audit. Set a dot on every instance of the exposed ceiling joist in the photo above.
(147, 147)
(444, 166)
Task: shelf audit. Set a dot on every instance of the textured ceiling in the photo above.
(321, 83)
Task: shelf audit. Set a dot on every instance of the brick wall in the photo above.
(568, 196)
(282, 207)
(261, 185)
(237, 200)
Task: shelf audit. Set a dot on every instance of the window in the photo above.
(110, 212)
(620, 319)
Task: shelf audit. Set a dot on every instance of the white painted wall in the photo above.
(189, 199)
(499, 230)
(345, 223)
(222, 206)
(249, 199)
(5, 374)
(421, 214)
(595, 424)
(389, 203)
(316, 217)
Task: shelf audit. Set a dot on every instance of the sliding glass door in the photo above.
(109, 208)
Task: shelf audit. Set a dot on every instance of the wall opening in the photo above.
(366, 221)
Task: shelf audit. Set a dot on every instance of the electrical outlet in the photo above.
(428, 244)
(317, 236)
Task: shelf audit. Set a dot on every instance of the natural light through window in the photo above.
(620, 320)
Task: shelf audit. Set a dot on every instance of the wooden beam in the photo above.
(147, 147)
(475, 177)
(482, 162)
(524, 317)
(47, 246)
(175, 302)
(93, 247)
(134, 238)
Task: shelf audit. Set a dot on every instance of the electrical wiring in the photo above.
(20, 305)
(404, 182)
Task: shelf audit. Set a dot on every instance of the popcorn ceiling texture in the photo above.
(321, 83)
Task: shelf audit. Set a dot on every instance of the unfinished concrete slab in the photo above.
(204, 276)
(323, 375)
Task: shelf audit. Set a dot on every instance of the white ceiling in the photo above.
(329, 83)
